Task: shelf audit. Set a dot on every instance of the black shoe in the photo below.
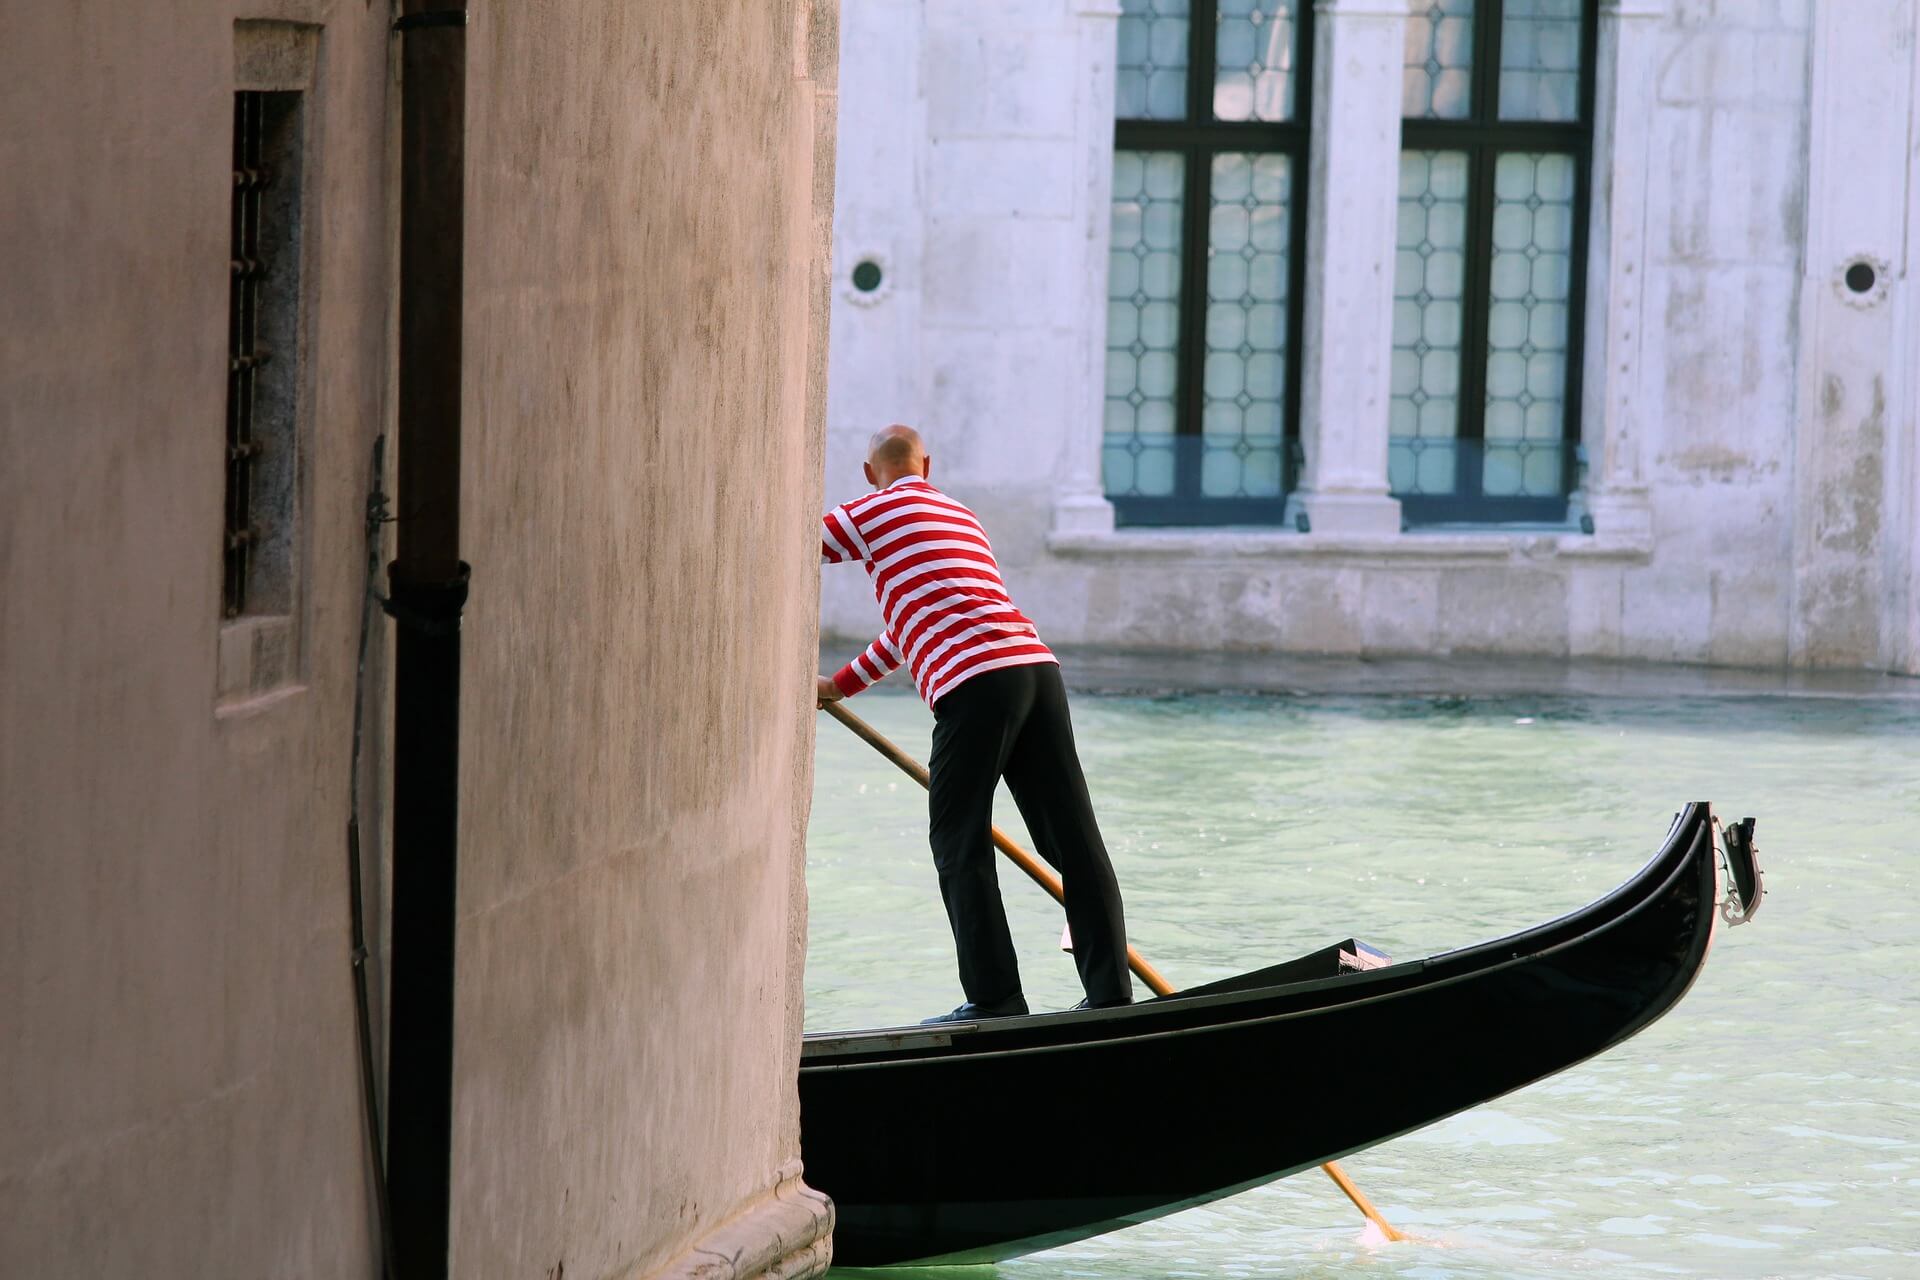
(1013, 1006)
(1104, 1004)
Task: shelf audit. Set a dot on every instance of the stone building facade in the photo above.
(1571, 328)
(645, 305)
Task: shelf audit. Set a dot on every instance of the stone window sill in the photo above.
(259, 663)
(1423, 546)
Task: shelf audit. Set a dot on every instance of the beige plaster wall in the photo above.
(650, 193)
(178, 1091)
(648, 189)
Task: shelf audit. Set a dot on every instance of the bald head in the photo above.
(894, 452)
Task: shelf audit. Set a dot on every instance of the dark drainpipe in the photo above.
(428, 587)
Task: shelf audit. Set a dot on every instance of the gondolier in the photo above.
(1000, 710)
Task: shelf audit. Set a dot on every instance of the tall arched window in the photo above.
(1204, 286)
(1496, 144)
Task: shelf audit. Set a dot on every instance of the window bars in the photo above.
(245, 354)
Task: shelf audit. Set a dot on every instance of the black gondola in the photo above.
(982, 1141)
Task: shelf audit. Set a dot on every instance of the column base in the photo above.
(786, 1234)
(1620, 517)
(1343, 513)
(1082, 513)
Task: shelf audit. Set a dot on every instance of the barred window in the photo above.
(1203, 288)
(260, 547)
(262, 352)
(1497, 136)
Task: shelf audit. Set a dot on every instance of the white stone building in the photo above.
(1548, 327)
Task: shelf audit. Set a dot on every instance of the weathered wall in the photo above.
(1738, 520)
(178, 1090)
(649, 197)
(645, 336)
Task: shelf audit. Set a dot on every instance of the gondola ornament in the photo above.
(1741, 858)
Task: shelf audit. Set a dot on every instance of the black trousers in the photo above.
(1013, 723)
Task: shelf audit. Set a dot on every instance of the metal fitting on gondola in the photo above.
(1742, 860)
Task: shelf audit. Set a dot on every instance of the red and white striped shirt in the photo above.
(949, 617)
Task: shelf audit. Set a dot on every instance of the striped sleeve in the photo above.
(839, 539)
(882, 656)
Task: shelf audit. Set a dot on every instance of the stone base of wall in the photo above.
(786, 1234)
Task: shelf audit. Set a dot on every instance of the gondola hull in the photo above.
(985, 1141)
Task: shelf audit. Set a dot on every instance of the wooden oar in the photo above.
(1041, 876)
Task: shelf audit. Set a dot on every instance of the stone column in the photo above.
(1613, 489)
(1358, 49)
(1080, 503)
(1849, 429)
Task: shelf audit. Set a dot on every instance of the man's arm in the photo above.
(882, 656)
(840, 540)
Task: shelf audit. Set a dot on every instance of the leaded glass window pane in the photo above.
(1437, 83)
(1152, 68)
(1143, 322)
(1527, 317)
(1243, 420)
(1540, 60)
(1255, 54)
(1429, 285)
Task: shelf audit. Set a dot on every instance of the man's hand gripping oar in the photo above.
(827, 698)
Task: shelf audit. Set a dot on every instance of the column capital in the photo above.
(1082, 513)
(1347, 514)
(1622, 515)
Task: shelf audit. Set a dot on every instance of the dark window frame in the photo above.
(1484, 138)
(1199, 138)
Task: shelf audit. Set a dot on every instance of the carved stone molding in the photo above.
(786, 1234)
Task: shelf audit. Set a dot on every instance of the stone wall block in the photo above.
(1000, 83)
(1594, 596)
(979, 178)
(1666, 613)
(1502, 610)
(1399, 612)
(1750, 612)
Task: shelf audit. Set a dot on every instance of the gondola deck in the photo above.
(983, 1141)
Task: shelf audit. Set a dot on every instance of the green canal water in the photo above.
(1768, 1126)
